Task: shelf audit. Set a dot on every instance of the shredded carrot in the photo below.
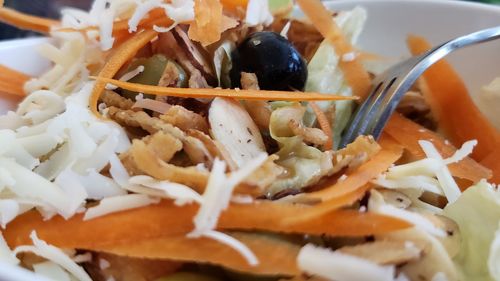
(453, 107)
(324, 124)
(276, 256)
(234, 5)
(492, 161)
(167, 219)
(321, 18)
(228, 93)
(327, 206)
(408, 133)
(124, 53)
(12, 81)
(25, 21)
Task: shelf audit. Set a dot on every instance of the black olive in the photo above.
(277, 64)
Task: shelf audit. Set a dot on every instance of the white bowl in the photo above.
(388, 24)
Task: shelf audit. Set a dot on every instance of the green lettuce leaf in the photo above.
(324, 75)
(477, 213)
(304, 164)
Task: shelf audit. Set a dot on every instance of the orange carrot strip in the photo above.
(325, 207)
(234, 5)
(25, 21)
(12, 81)
(324, 124)
(321, 18)
(492, 161)
(451, 104)
(166, 219)
(276, 256)
(390, 153)
(228, 93)
(122, 55)
(408, 133)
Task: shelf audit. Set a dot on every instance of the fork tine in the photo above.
(362, 117)
(358, 115)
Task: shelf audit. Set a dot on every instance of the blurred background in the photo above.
(45, 8)
(51, 8)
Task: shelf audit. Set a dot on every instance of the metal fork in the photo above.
(389, 87)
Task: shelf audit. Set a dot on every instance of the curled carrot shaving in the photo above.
(25, 21)
(355, 75)
(276, 256)
(124, 53)
(457, 115)
(324, 124)
(12, 81)
(228, 93)
(408, 134)
(166, 219)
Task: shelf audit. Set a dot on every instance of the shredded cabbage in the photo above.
(326, 77)
(305, 164)
(477, 212)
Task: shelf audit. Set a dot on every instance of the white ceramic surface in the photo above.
(389, 22)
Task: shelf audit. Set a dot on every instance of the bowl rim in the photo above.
(455, 3)
(19, 274)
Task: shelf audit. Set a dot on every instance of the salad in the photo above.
(199, 140)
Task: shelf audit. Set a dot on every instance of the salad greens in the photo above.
(477, 212)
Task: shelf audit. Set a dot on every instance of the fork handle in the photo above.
(439, 52)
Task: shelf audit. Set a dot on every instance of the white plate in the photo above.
(389, 22)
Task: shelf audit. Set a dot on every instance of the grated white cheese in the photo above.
(218, 193)
(440, 276)
(103, 264)
(87, 257)
(33, 186)
(182, 194)
(342, 178)
(118, 171)
(235, 244)
(6, 255)
(143, 8)
(216, 199)
(450, 187)
(242, 199)
(69, 182)
(349, 56)
(180, 11)
(106, 19)
(54, 254)
(460, 154)
(258, 13)
(338, 266)
(119, 203)
(98, 186)
(127, 76)
(285, 29)
(9, 209)
(377, 204)
(426, 183)
(51, 270)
